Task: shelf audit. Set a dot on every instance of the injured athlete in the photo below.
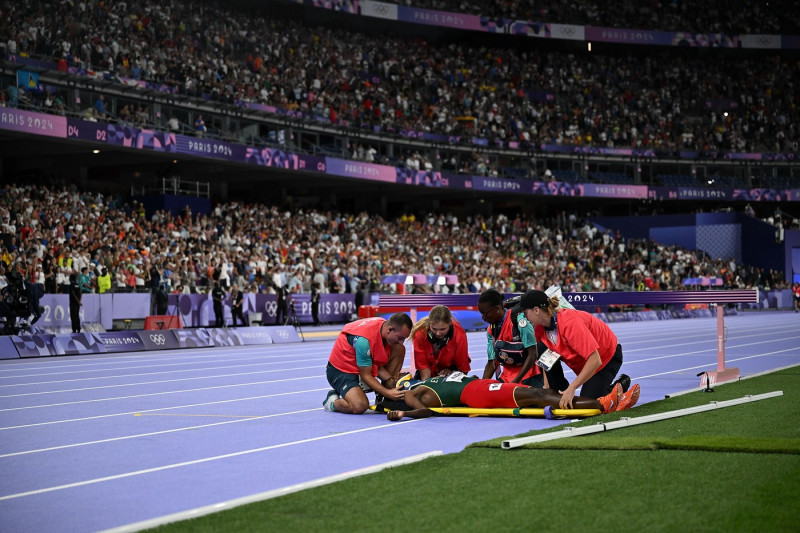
(460, 390)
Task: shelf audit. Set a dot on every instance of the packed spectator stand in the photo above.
(661, 100)
(60, 231)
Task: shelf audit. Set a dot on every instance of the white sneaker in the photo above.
(329, 399)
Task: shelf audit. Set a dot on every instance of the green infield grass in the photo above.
(733, 469)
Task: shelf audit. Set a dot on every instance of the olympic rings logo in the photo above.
(271, 308)
(159, 339)
(283, 334)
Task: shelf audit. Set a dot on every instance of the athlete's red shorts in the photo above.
(488, 393)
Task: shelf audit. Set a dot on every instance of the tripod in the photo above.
(174, 316)
(291, 315)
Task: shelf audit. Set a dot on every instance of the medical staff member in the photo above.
(367, 351)
(511, 342)
(440, 344)
(581, 341)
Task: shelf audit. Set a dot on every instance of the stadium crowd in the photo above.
(53, 233)
(662, 101)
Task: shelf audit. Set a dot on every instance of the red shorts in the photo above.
(488, 393)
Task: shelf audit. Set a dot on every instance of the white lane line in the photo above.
(163, 432)
(262, 496)
(67, 364)
(158, 393)
(99, 359)
(193, 462)
(266, 359)
(710, 349)
(135, 384)
(737, 336)
(110, 415)
(714, 363)
(173, 372)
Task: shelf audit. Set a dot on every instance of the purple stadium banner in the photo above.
(33, 345)
(8, 349)
(705, 282)
(596, 150)
(439, 18)
(97, 308)
(332, 307)
(697, 193)
(583, 298)
(357, 169)
(347, 6)
(197, 310)
(272, 157)
(159, 340)
(614, 191)
(282, 334)
(662, 193)
(133, 305)
(764, 195)
(480, 183)
(86, 130)
(120, 341)
(209, 148)
(661, 38)
(130, 137)
(223, 337)
(429, 178)
(556, 188)
(526, 28)
(36, 123)
(658, 297)
(193, 338)
(253, 336)
(45, 344)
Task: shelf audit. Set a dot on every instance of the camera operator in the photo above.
(20, 299)
(75, 303)
(282, 311)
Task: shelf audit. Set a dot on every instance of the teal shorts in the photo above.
(340, 381)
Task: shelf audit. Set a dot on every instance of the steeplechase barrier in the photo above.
(416, 303)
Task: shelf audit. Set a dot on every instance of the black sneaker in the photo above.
(623, 380)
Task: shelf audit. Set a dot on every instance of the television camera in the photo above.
(19, 304)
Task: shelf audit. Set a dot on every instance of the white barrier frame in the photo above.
(627, 422)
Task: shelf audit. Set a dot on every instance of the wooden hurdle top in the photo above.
(583, 298)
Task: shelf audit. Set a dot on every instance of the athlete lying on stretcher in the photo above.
(460, 390)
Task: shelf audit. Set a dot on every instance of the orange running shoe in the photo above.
(611, 400)
(629, 399)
